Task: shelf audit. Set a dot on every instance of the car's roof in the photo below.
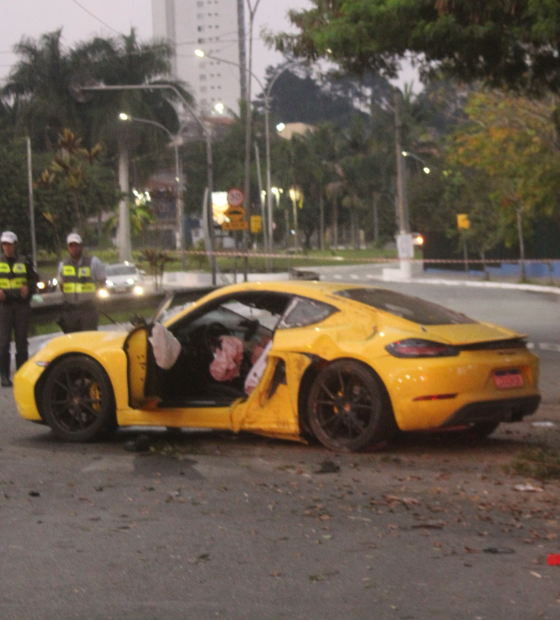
(122, 267)
(310, 288)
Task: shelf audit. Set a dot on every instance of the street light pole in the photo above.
(179, 210)
(205, 131)
(267, 95)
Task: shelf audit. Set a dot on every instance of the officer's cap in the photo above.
(74, 238)
(8, 237)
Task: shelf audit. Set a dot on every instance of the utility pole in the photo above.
(401, 178)
(124, 241)
(31, 204)
(242, 49)
(405, 247)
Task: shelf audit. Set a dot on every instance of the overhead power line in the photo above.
(95, 16)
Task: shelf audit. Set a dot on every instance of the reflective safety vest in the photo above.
(78, 283)
(12, 277)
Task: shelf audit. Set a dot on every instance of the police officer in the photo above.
(18, 283)
(79, 276)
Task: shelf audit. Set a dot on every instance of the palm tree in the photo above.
(37, 88)
(124, 61)
(40, 81)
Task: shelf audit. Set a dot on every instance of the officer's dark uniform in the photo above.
(79, 291)
(15, 311)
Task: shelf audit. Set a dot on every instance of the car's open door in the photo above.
(142, 369)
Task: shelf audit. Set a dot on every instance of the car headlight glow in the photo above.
(138, 290)
(103, 292)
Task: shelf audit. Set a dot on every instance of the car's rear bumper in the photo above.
(506, 410)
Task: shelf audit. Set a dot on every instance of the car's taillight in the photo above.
(416, 347)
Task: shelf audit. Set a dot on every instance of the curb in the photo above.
(504, 285)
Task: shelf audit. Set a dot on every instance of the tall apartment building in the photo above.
(209, 25)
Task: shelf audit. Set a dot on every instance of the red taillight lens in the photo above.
(416, 347)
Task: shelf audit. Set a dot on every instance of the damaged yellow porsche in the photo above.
(349, 365)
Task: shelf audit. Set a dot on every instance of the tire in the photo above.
(348, 409)
(78, 401)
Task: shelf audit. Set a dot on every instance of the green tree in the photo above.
(504, 42)
(74, 186)
(513, 140)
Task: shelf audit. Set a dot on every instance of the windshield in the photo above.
(121, 270)
(407, 307)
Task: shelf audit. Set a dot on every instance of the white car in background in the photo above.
(123, 278)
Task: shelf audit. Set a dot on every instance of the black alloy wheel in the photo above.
(348, 409)
(78, 401)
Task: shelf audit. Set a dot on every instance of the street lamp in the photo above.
(295, 196)
(266, 94)
(77, 90)
(425, 168)
(179, 211)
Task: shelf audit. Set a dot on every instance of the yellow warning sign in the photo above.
(256, 223)
(235, 225)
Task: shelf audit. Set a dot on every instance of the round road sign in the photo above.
(235, 197)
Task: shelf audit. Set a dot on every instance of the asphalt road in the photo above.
(212, 525)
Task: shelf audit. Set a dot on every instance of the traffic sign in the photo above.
(256, 223)
(236, 225)
(235, 197)
(234, 213)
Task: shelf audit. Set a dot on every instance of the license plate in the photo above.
(508, 379)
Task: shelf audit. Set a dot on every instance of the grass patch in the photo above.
(540, 463)
(124, 316)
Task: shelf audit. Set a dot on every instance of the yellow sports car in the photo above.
(347, 364)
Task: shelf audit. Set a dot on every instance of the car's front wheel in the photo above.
(348, 409)
(78, 401)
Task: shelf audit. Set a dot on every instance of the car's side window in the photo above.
(303, 312)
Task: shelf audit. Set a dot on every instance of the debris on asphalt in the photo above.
(496, 550)
(429, 525)
(328, 467)
(527, 488)
(139, 444)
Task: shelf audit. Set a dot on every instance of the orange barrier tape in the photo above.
(462, 261)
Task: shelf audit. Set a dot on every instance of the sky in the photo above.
(83, 19)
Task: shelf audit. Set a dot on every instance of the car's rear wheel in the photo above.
(348, 409)
(78, 401)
